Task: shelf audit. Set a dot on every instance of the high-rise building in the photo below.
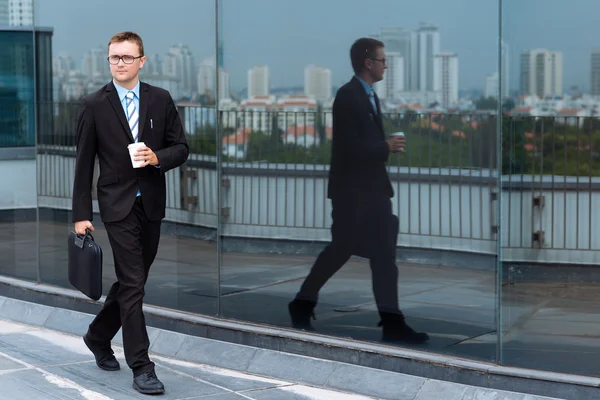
(393, 79)
(492, 86)
(62, 64)
(541, 73)
(258, 81)
(595, 82)
(427, 46)
(4, 13)
(207, 76)
(207, 79)
(223, 78)
(20, 12)
(493, 81)
(446, 66)
(317, 82)
(153, 65)
(179, 63)
(95, 65)
(404, 42)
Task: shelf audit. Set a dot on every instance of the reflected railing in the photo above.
(275, 166)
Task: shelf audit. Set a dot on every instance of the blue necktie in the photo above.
(372, 98)
(132, 115)
(132, 118)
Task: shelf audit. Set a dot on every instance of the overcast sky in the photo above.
(289, 34)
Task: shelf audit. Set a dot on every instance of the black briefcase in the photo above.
(85, 264)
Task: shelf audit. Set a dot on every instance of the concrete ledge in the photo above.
(18, 153)
(255, 348)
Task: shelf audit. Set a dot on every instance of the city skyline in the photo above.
(179, 59)
(266, 32)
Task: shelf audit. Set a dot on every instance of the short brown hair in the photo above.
(361, 50)
(128, 37)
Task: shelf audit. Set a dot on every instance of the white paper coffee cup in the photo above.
(133, 148)
(397, 134)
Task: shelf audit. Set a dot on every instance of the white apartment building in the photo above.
(258, 81)
(20, 12)
(492, 85)
(4, 13)
(317, 82)
(446, 67)
(95, 64)
(207, 79)
(256, 113)
(541, 73)
(229, 111)
(428, 45)
(393, 79)
(405, 43)
(62, 64)
(72, 86)
(153, 65)
(296, 111)
(179, 63)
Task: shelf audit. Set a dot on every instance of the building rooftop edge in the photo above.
(29, 28)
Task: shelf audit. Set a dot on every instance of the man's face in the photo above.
(122, 72)
(377, 65)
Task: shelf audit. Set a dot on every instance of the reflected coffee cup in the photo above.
(133, 148)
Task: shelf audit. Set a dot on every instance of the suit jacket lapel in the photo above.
(367, 103)
(143, 109)
(115, 102)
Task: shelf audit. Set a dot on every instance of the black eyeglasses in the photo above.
(383, 60)
(114, 60)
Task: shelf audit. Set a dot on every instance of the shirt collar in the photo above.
(121, 91)
(366, 86)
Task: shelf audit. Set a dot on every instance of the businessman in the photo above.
(360, 193)
(131, 200)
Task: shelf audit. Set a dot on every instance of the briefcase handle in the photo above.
(80, 239)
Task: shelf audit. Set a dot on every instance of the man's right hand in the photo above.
(81, 226)
(397, 144)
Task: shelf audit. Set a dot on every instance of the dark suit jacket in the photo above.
(359, 185)
(359, 150)
(103, 131)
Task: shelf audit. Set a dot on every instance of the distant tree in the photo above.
(508, 105)
(486, 103)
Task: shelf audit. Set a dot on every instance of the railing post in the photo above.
(187, 176)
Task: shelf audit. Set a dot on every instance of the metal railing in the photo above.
(274, 179)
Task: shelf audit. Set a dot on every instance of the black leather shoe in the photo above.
(104, 355)
(395, 329)
(301, 312)
(148, 383)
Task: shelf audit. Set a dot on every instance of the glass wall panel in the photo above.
(283, 65)
(179, 42)
(551, 244)
(19, 75)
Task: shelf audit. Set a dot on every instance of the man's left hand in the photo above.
(146, 155)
